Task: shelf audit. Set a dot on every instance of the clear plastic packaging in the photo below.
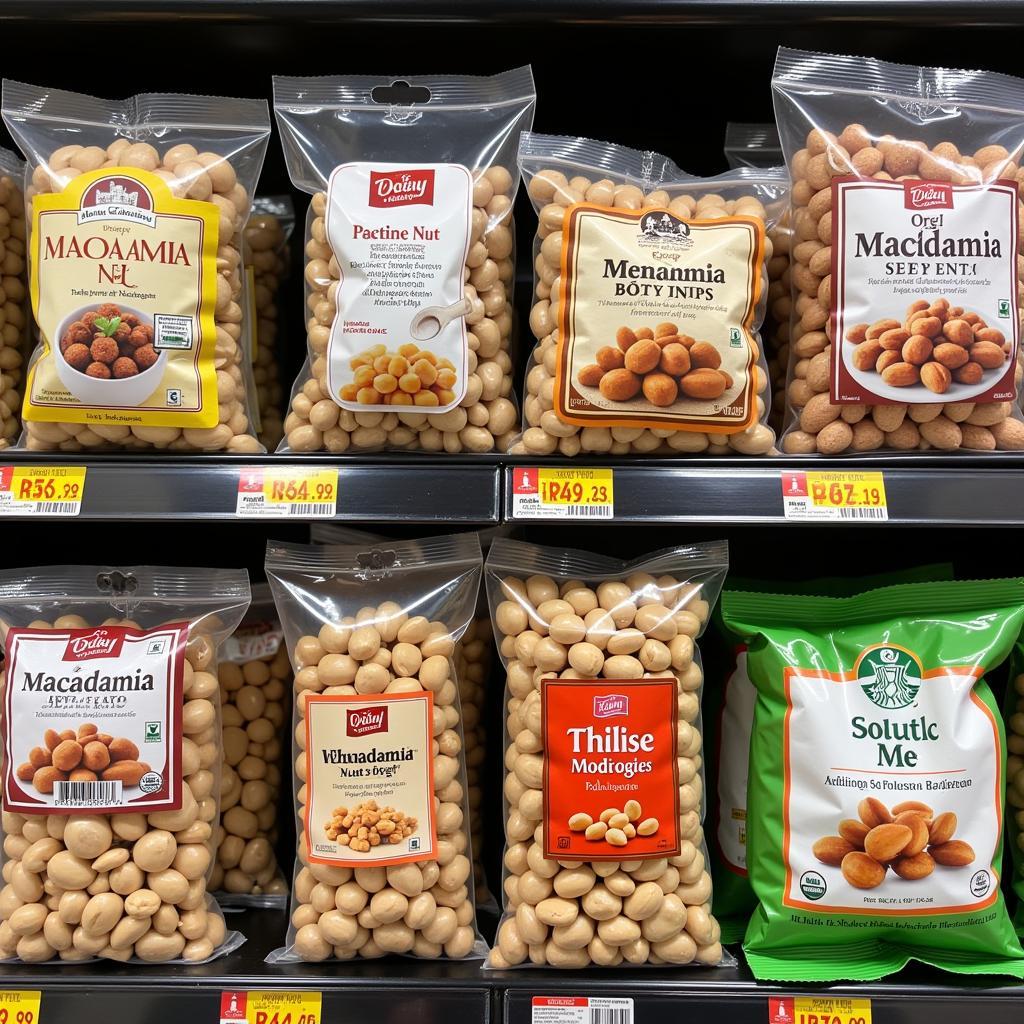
(752, 145)
(255, 691)
(628, 628)
(380, 772)
(14, 289)
(417, 194)
(650, 343)
(119, 885)
(154, 358)
(906, 298)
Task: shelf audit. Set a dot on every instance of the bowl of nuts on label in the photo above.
(105, 355)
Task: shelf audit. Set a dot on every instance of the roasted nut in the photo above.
(862, 871)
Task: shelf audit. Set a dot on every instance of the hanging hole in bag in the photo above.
(376, 564)
(400, 94)
(120, 586)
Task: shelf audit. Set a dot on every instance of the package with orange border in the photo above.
(650, 290)
(877, 785)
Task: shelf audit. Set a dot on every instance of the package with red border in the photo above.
(380, 775)
(111, 768)
(605, 861)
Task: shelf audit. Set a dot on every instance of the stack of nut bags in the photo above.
(384, 859)
(605, 861)
(111, 772)
(13, 293)
(255, 692)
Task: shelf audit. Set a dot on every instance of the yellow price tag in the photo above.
(270, 1007)
(41, 490)
(830, 1010)
(310, 492)
(834, 495)
(19, 1007)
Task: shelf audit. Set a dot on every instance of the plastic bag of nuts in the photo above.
(255, 689)
(111, 773)
(1014, 714)
(13, 294)
(137, 210)
(906, 255)
(605, 861)
(649, 293)
(410, 252)
(384, 861)
(267, 262)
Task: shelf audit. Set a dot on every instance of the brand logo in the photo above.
(612, 705)
(99, 643)
(117, 198)
(889, 676)
(927, 195)
(366, 721)
(401, 188)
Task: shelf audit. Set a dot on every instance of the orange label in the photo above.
(370, 779)
(610, 760)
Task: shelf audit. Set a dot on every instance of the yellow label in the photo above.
(270, 1007)
(831, 1010)
(50, 490)
(576, 487)
(19, 1007)
(288, 491)
(657, 319)
(846, 490)
(124, 286)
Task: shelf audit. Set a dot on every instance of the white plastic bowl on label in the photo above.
(115, 392)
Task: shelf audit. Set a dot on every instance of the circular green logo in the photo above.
(812, 885)
(889, 676)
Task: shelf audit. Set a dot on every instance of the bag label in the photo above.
(92, 719)
(124, 287)
(401, 235)
(892, 801)
(657, 319)
(924, 292)
(733, 764)
(370, 779)
(611, 778)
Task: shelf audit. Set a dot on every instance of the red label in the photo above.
(401, 188)
(569, 1001)
(927, 195)
(93, 643)
(781, 1010)
(232, 1005)
(365, 721)
(524, 481)
(609, 743)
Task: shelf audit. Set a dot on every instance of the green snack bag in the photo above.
(1014, 707)
(876, 790)
(730, 718)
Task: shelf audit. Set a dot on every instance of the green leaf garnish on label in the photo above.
(107, 327)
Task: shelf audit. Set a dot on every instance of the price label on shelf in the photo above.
(270, 1007)
(562, 493)
(834, 496)
(818, 1010)
(41, 491)
(307, 492)
(581, 1010)
(21, 1007)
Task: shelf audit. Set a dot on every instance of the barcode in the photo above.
(598, 511)
(610, 1016)
(58, 508)
(311, 508)
(862, 513)
(87, 794)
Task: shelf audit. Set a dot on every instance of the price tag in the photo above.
(309, 492)
(562, 493)
(581, 1010)
(270, 1007)
(834, 496)
(41, 491)
(818, 1010)
(19, 1007)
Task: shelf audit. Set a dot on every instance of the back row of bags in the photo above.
(899, 236)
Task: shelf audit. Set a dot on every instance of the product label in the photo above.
(124, 286)
(924, 291)
(562, 493)
(270, 1007)
(581, 1010)
(657, 320)
(834, 496)
(19, 1006)
(92, 719)
(892, 788)
(611, 780)
(818, 1010)
(253, 641)
(41, 490)
(370, 779)
(401, 236)
(733, 763)
(309, 492)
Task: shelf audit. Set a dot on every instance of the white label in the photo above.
(733, 764)
(901, 242)
(401, 236)
(97, 713)
(581, 1010)
(253, 641)
(892, 731)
